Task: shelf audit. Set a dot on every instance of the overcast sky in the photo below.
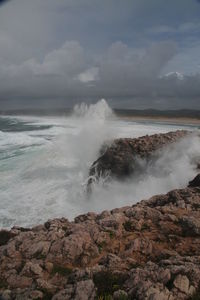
(54, 53)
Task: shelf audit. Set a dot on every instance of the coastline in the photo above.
(149, 250)
(161, 119)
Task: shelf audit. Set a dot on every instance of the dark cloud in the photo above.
(3, 1)
(55, 51)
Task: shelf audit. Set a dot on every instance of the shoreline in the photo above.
(168, 120)
(123, 252)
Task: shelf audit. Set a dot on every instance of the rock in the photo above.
(120, 294)
(17, 281)
(190, 225)
(83, 290)
(150, 250)
(5, 236)
(6, 295)
(36, 295)
(195, 182)
(125, 156)
(182, 283)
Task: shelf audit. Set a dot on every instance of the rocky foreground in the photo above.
(122, 157)
(150, 250)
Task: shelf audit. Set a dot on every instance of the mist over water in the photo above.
(44, 164)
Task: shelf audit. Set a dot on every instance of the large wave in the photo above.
(47, 180)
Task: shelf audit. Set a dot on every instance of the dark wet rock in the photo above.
(150, 250)
(5, 236)
(126, 156)
(195, 182)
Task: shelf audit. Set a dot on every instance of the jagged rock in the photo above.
(195, 182)
(123, 157)
(150, 250)
(182, 283)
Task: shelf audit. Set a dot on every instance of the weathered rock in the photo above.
(182, 283)
(148, 251)
(124, 156)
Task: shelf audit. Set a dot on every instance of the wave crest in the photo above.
(98, 111)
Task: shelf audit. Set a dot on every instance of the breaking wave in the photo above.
(43, 169)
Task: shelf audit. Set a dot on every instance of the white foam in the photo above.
(47, 181)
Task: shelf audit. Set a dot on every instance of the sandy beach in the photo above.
(160, 119)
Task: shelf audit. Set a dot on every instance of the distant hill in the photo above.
(184, 113)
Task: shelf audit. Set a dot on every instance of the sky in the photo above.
(134, 53)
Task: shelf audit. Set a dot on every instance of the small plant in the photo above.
(128, 226)
(3, 284)
(39, 255)
(46, 294)
(101, 246)
(196, 206)
(111, 233)
(107, 283)
(63, 271)
(145, 226)
(134, 265)
(123, 297)
(106, 297)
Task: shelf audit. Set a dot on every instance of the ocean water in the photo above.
(44, 163)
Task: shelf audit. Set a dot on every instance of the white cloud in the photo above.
(89, 75)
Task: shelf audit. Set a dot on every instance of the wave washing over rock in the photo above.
(126, 156)
(44, 164)
(150, 250)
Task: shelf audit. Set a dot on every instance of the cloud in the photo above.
(73, 49)
(3, 1)
(183, 28)
(66, 72)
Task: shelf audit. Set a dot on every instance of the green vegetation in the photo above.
(101, 246)
(106, 297)
(3, 284)
(63, 271)
(109, 297)
(46, 294)
(107, 283)
(196, 206)
(128, 226)
(111, 234)
(39, 255)
(145, 226)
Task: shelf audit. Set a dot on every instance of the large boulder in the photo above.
(123, 157)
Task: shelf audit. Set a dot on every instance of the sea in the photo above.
(45, 160)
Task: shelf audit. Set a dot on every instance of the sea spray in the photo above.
(46, 179)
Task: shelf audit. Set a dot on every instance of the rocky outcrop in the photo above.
(123, 157)
(150, 250)
(195, 182)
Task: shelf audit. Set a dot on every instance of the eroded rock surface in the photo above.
(150, 250)
(122, 157)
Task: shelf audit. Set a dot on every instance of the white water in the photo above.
(45, 177)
